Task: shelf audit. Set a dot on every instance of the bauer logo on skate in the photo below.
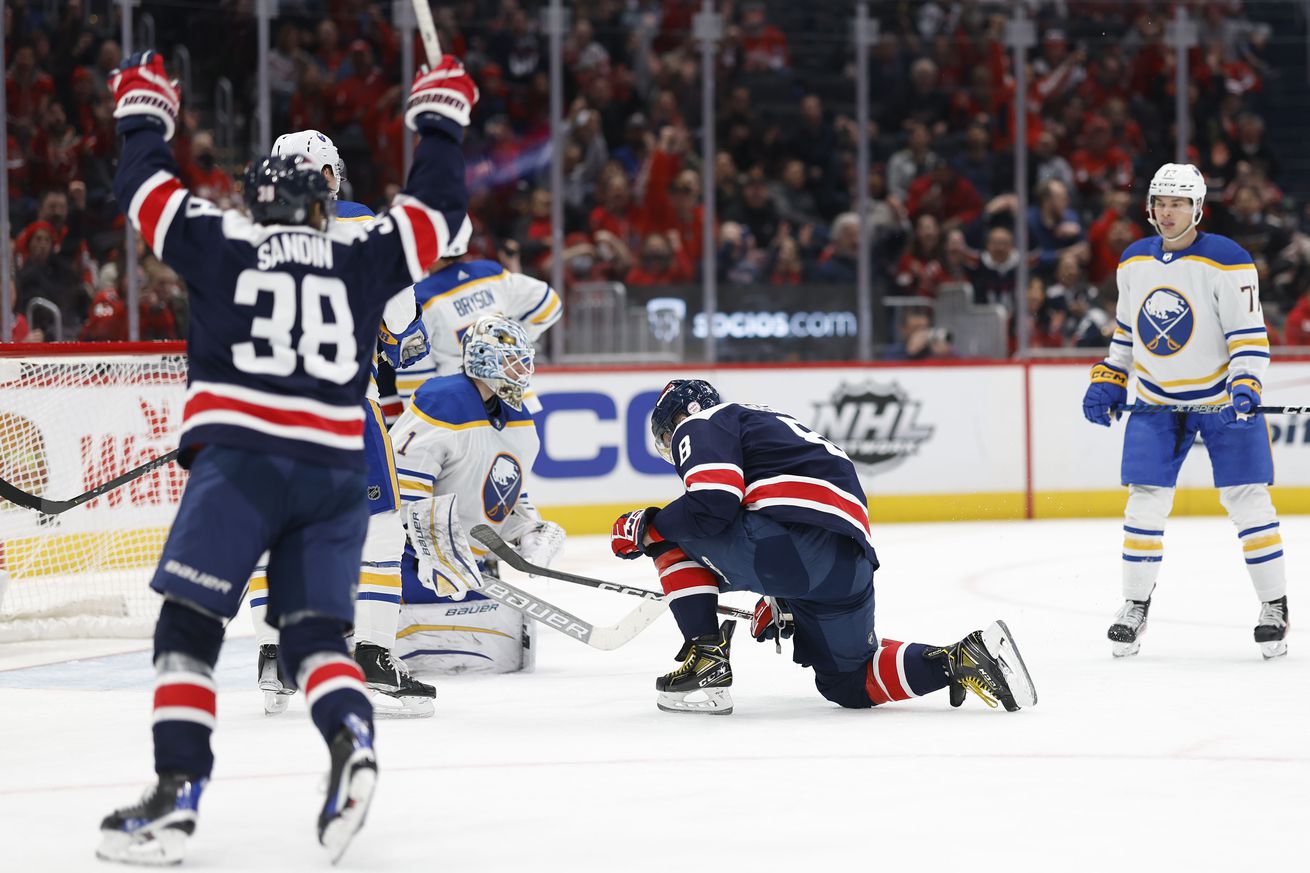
(500, 490)
(1165, 322)
(876, 423)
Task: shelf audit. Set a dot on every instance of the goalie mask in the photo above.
(680, 397)
(319, 149)
(498, 352)
(1176, 180)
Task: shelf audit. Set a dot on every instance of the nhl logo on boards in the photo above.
(1165, 321)
(876, 423)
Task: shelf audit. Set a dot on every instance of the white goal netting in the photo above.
(67, 424)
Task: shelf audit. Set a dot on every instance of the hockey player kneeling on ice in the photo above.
(1190, 327)
(775, 508)
(468, 434)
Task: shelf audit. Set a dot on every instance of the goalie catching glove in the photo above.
(445, 562)
(536, 540)
(143, 92)
(447, 91)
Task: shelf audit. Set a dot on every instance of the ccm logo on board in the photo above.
(579, 448)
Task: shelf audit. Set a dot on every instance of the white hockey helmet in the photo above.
(1177, 180)
(318, 148)
(497, 351)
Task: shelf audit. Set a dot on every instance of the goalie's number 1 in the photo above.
(315, 331)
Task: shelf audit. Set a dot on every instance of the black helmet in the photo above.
(281, 190)
(681, 396)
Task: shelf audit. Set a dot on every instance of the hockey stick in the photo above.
(598, 637)
(489, 538)
(427, 29)
(1210, 410)
(54, 507)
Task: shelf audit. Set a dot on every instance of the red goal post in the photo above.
(72, 416)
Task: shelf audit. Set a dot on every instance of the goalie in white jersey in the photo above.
(1191, 329)
(463, 448)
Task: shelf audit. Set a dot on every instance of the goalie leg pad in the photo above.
(377, 600)
(445, 561)
(476, 636)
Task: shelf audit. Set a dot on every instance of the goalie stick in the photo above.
(1210, 410)
(20, 497)
(503, 550)
(598, 637)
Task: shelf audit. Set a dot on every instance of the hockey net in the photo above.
(71, 419)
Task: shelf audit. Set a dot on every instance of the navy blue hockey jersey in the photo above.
(284, 319)
(737, 456)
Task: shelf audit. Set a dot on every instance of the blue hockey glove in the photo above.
(407, 348)
(143, 93)
(1109, 388)
(1245, 396)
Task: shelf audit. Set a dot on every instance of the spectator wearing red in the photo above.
(662, 262)
(83, 100)
(359, 92)
(106, 320)
(1110, 234)
(763, 46)
(945, 194)
(788, 268)
(920, 269)
(27, 91)
(327, 49)
(56, 150)
(203, 175)
(1100, 165)
(313, 100)
(1059, 70)
(616, 212)
(1296, 330)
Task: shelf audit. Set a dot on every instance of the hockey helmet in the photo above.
(497, 351)
(282, 190)
(318, 148)
(1177, 180)
(679, 397)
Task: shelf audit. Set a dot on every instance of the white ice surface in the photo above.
(1195, 755)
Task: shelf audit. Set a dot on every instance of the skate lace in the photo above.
(974, 684)
(1271, 613)
(1131, 613)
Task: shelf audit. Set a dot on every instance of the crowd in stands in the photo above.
(941, 205)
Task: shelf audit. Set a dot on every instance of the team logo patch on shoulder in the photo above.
(501, 489)
(1165, 322)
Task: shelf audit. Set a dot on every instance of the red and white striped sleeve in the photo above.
(424, 234)
(154, 206)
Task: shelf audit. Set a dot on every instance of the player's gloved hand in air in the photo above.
(772, 620)
(1244, 394)
(1109, 389)
(445, 92)
(630, 529)
(404, 349)
(144, 95)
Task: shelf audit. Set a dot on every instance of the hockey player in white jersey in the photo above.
(463, 448)
(402, 343)
(459, 292)
(1191, 329)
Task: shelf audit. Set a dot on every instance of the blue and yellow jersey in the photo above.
(1189, 322)
(348, 210)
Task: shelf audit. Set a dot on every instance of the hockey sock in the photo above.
(1144, 517)
(185, 704)
(314, 651)
(692, 592)
(1252, 511)
(265, 634)
(899, 671)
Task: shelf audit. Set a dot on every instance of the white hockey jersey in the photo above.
(455, 297)
(1189, 322)
(445, 442)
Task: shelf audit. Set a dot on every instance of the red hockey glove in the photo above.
(772, 620)
(142, 89)
(630, 529)
(447, 91)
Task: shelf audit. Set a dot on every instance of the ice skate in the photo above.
(153, 833)
(1129, 627)
(351, 781)
(397, 694)
(1271, 628)
(987, 662)
(277, 693)
(701, 683)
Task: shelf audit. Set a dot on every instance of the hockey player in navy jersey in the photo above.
(402, 344)
(1191, 329)
(285, 307)
(775, 508)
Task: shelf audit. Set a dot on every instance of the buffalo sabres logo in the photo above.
(501, 489)
(1165, 322)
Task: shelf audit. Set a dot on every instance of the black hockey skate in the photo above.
(1129, 627)
(402, 695)
(277, 691)
(701, 683)
(153, 832)
(1271, 628)
(351, 781)
(988, 663)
